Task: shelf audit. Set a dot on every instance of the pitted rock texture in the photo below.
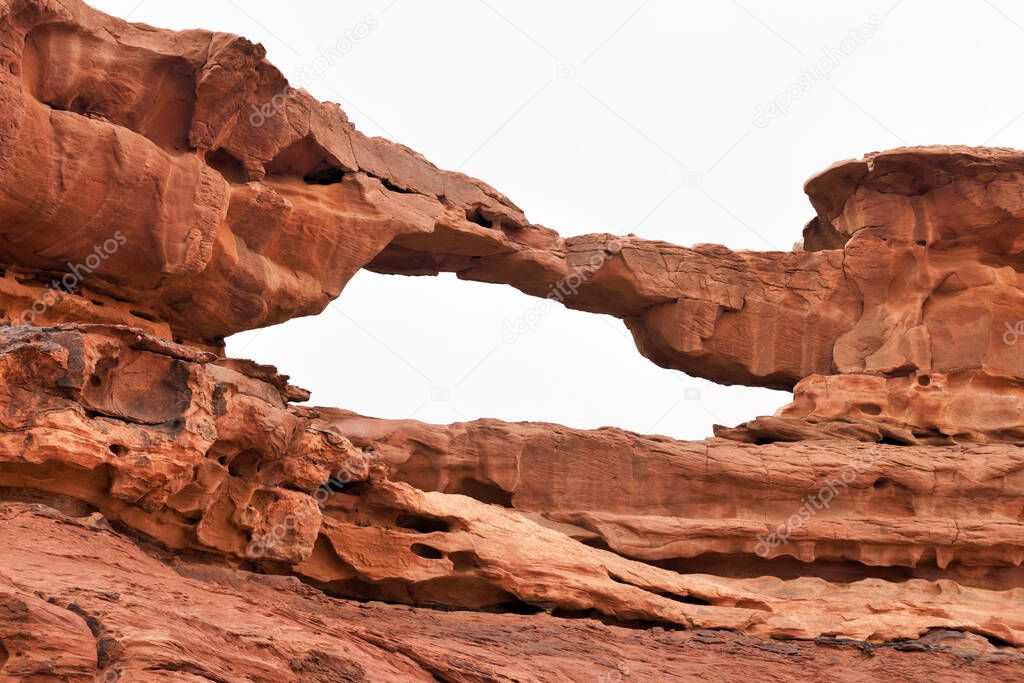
(712, 506)
(168, 513)
(210, 457)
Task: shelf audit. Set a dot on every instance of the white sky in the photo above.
(625, 116)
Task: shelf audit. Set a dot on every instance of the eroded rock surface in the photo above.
(80, 602)
(712, 506)
(212, 458)
(164, 180)
(168, 513)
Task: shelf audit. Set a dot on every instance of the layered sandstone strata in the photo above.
(80, 602)
(211, 457)
(164, 509)
(718, 506)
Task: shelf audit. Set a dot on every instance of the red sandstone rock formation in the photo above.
(139, 613)
(212, 459)
(703, 506)
(187, 207)
(167, 513)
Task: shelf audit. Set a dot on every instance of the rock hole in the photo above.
(426, 551)
(117, 449)
(95, 380)
(924, 380)
(422, 524)
(307, 159)
(881, 483)
(245, 464)
(144, 316)
(81, 105)
(870, 409)
(921, 243)
(515, 606)
(326, 176)
(994, 639)
(474, 216)
(464, 560)
(685, 599)
(485, 492)
(395, 188)
(228, 165)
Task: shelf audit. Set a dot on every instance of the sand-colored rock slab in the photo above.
(92, 604)
(211, 457)
(831, 508)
